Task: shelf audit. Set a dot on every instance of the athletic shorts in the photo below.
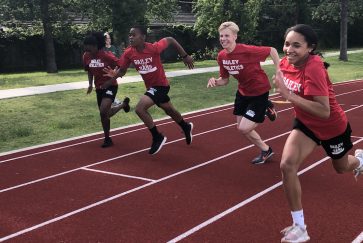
(251, 107)
(159, 94)
(335, 147)
(110, 93)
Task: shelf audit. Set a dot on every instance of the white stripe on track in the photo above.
(118, 174)
(359, 238)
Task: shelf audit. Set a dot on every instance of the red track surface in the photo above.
(74, 191)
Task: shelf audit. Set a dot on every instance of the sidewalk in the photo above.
(11, 93)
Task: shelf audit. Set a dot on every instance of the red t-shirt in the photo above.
(147, 63)
(95, 64)
(243, 63)
(313, 80)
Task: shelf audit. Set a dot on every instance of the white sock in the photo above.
(298, 218)
(360, 161)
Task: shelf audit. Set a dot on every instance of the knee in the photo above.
(288, 167)
(244, 130)
(139, 110)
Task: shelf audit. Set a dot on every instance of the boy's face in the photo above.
(136, 38)
(227, 38)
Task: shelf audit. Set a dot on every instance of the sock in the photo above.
(183, 124)
(298, 218)
(154, 131)
(360, 161)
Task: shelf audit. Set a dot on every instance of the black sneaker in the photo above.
(107, 143)
(263, 156)
(188, 133)
(157, 144)
(126, 102)
(270, 111)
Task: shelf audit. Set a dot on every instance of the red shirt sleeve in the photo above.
(125, 60)
(161, 45)
(257, 53)
(315, 79)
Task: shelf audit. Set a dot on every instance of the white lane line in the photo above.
(118, 174)
(243, 203)
(129, 191)
(359, 238)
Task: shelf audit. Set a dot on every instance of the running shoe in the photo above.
(295, 234)
(188, 133)
(358, 171)
(260, 159)
(270, 111)
(126, 102)
(116, 102)
(157, 144)
(107, 142)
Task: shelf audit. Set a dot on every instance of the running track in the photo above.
(74, 191)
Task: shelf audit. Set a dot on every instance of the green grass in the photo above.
(21, 80)
(32, 120)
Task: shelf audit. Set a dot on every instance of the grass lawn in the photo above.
(32, 120)
(21, 80)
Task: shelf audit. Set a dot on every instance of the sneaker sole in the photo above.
(262, 162)
(191, 134)
(295, 241)
(161, 145)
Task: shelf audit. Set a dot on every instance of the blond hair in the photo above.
(229, 25)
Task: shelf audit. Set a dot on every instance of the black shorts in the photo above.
(335, 147)
(110, 93)
(159, 94)
(251, 107)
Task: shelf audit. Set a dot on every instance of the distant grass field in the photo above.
(21, 80)
(32, 120)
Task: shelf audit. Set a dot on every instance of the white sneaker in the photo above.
(359, 170)
(116, 102)
(295, 234)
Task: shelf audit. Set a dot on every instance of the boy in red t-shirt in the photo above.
(95, 60)
(145, 57)
(251, 103)
(319, 120)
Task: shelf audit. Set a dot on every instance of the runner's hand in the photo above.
(212, 82)
(188, 61)
(109, 72)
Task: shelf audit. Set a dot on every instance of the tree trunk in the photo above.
(343, 30)
(50, 63)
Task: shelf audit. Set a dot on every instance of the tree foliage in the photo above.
(328, 11)
(211, 13)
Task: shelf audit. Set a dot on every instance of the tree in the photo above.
(334, 11)
(211, 13)
(37, 17)
(343, 30)
(118, 16)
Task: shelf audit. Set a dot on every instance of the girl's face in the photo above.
(136, 38)
(227, 39)
(296, 48)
